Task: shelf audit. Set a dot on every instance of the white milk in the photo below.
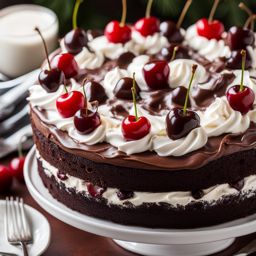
(21, 48)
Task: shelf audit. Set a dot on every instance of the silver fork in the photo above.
(17, 226)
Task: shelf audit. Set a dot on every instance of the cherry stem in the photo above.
(213, 10)
(243, 53)
(85, 99)
(65, 87)
(148, 9)
(75, 11)
(183, 13)
(194, 67)
(134, 96)
(249, 21)
(248, 11)
(245, 8)
(175, 49)
(124, 13)
(45, 47)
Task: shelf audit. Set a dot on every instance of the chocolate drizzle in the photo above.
(155, 102)
(95, 91)
(220, 82)
(125, 59)
(178, 96)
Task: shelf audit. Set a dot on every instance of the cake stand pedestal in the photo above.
(175, 249)
(145, 241)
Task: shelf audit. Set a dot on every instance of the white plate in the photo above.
(41, 232)
(224, 234)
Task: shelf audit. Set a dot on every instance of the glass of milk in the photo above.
(21, 48)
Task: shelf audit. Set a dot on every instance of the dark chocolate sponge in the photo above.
(227, 169)
(195, 214)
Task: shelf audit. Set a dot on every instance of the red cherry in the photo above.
(94, 190)
(5, 178)
(147, 26)
(86, 121)
(241, 101)
(210, 30)
(69, 103)
(133, 129)
(67, 63)
(16, 167)
(156, 74)
(116, 33)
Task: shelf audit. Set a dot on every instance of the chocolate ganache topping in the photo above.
(212, 81)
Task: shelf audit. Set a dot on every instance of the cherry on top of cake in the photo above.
(70, 102)
(210, 28)
(171, 30)
(239, 38)
(77, 38)
(149, 24)
(118, 32)
(156, 74)
(51, 78)
(87, 120)
(123, 88)
(241, 97)
(133, 126)
(181, 121)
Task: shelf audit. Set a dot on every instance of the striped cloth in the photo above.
(13, 105)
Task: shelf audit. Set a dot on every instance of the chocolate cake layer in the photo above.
(228, 169)
(193, 215)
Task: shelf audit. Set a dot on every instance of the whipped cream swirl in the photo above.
(252, 115)
(180, 73)
(112, 50)
(164, 146)
(96, 136)
(47, 101)
(89, 60)
(115, 137)
(137, 66)
(42, 99)
(210, 49)
(219, 118)
(151, 44)
(111, 79)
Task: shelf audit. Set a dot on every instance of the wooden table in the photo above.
(69, 241)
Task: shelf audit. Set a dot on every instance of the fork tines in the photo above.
(17, 226)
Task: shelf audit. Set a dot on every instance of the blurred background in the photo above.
(96, 13)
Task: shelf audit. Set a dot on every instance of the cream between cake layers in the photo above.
(158, 174)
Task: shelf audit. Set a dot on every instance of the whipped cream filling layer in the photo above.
(177, 198)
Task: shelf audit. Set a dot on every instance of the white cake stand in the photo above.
(145, 241)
